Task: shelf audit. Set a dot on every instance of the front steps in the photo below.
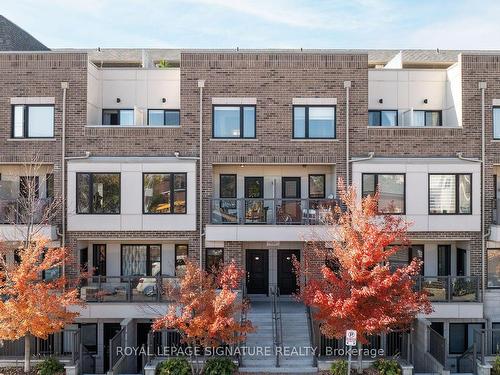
(296, 357)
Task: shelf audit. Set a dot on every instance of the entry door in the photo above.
(257, 267)
(287, 279)
(142, 340)
(444, 260)
(461, 262)
(110, 330)
(291, 200)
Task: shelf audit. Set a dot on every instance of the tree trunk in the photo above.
(360, 357)
(27, 353)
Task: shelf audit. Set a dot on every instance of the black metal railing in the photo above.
(117, 341)
(20, 211)
(61, 344)
(128, 288)
(437, 346)
(273, 211)
(450, 288)
(277, 323)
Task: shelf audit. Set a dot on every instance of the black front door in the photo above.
(257, 267)
(142, 340)
(287, 279)
(444, 260)
(110, 330)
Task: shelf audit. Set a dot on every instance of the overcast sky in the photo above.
(445, 24)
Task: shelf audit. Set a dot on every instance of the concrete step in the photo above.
(279, 370)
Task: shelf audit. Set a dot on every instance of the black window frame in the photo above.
(440, 112)
(26, 120)
(242, 113)
(175, 256)
(495, 107)
(98, 261)
(164, 113)
(379, 111)
(207, 249)
(457, 193)
(148, 258)
(306, 120)
(90, 349)
(487, 265)
(172, 194)
(466, 338)
(119, 115)
(91, 194)
(235, 185)
(376, 186)
(309, 185)
(49, 180)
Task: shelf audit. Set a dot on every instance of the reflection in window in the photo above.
(494, 268)
(317, 186)
(450, 194)
(391, 189)
(98, 193)
(124, 117)
(141, 260)
(33, 121)
(181, 256)
(165, 193)
(382, 118)
(234, 121)
(313, 122)
(164, 117)
(214, 259)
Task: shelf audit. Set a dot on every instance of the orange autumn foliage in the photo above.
(30, 305)
(363, 293)
(206, 310)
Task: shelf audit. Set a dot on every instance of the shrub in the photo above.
(339, 367)
(495, 369)
(387, 367)
(50, 366)
(219, 366)
(174, 366)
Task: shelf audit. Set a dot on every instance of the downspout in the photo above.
(64, 87)
(347, 86)
(482, 87)
(201, 85)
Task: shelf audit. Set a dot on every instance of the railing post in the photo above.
(483, 346)
(129, 290)
(449, 294)
(158, 286)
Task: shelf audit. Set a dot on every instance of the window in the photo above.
(493, 268)
(214, 259)
(124, 117)
(427, 118)
(50, 274)
(313, 122)
(181, 255)
(98, 193)
(99, 259)
(383, 118)
(495, 337)
(164, 117)
(444, 260)
(234, 121)
(141, 260)
(391, 188)
(417, 251)
(49, 185)
(164, 193)
(317, 186)
(88, 332)
(227, 186)
(29, 187)
(461, 336)
(496, 122)
(450, 194)
(33, 121)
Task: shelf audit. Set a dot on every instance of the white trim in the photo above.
(236, 101)
(314, 101)
(496, 102)
(33, 100)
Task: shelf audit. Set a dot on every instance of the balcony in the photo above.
(141, 289)
(450, 288)
(274, 211)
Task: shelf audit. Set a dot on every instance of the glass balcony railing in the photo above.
(450, 288)
(275, 211)
(127, 288)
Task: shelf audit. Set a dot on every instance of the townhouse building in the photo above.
(215, 155)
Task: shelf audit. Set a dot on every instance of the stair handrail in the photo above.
(470, 350)
(276, 320)
(312, 338)
(243, 318)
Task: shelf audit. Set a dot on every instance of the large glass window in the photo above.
(164, 117)
(124, 117)
(494, 268)
(234, 121)
(391, 188)
(450, 194)
(383, 118)
(141, 260)
(461, 336)
(99, 259)
(496, 122)
(98, 193)
(214, 259)
(33, 121)
(164, 193)
(427, 118)
(181, 256)
(314, 122)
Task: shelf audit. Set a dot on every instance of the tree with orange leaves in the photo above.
(359, 290)
(206, 310)
(30, 305)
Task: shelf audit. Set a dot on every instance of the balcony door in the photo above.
(28, 185)
(461, 262)
(255, 212)
(290, 211)
(444, 260)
